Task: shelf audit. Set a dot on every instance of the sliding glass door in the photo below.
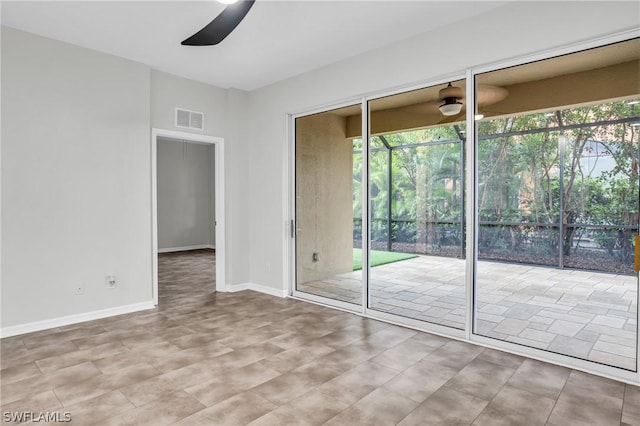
(416, 191)
(328, 198)
(511, 225)
(558, 166)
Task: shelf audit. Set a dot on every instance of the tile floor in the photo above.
(204, 358)
(584, 314)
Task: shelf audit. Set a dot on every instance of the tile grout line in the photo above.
(558, 398)
(624, 395)
(500, 390)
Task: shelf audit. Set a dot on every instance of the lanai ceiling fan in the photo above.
(222, 25)
(451, 102)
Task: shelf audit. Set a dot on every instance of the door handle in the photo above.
(636, 263)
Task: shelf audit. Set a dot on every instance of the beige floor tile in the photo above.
(312, 408)
(631, 408)
(380, 407)
(513, 406)
(76, 357)
(403, 355)
(481, 379)
(580, 383)
(357, 382)
(501, 358)
(103, 383)
(586, 409)
(295, 357)
(295, 383)
(19, 372)
(164, 411)
(146, 391)
(68, 376)
(32, 342)
(92, 411)
(540, 378)
(19, 356)
(240, 409)
(45, 401)
(283, 416)
(446, 407)
(232, 382)
(189, 356)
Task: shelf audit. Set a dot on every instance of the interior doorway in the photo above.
(188, 206)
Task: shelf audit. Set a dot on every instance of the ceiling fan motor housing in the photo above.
(450, 95)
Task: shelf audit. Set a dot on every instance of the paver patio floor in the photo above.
(584, 314)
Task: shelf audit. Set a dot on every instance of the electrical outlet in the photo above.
(316, 256)
(111, 281)
(79, 289)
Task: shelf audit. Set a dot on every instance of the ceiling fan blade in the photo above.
(488, 95)
(218, 29)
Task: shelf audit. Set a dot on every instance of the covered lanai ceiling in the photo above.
(595, 75)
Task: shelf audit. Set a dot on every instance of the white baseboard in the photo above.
(257, 287)
(15, 330)
(186, 248)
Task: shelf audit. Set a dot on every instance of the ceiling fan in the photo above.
(451, 101)
(222, 25)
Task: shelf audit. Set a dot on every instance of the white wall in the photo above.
(76, 176)
(237, 189)
(509, 31)
(185, 195)
(225, 112)
(169, 91)
(75, 179)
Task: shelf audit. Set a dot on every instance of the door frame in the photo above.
(218, 143)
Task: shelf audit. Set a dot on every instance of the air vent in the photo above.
(187, 119)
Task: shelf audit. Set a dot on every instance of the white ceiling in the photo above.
(276, 40)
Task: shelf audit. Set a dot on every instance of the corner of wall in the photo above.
(257, 288)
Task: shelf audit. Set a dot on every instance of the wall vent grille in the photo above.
(187, 119)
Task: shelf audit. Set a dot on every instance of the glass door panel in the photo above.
(558, 206)
(328, 199)
(416, 187)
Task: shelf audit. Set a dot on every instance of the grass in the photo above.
(377, 258)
